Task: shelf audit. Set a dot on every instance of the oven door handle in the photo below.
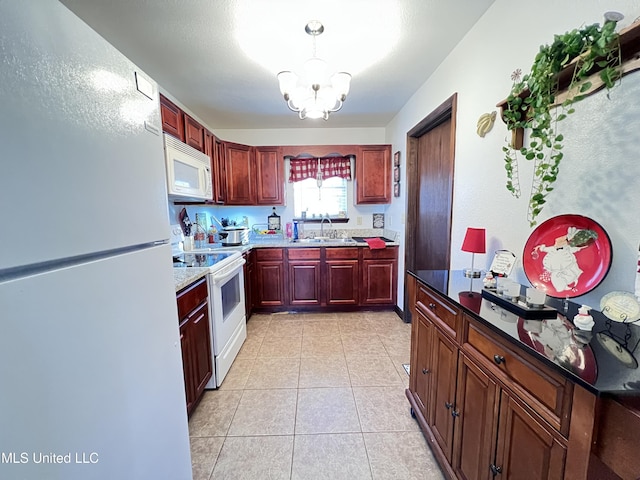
(223, 275)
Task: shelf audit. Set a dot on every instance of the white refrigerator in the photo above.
(91, 383)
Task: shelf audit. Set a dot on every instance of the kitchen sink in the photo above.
(326, 240)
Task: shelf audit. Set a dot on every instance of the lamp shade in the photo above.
(474, 240)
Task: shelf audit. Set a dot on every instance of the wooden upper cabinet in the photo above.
(239, 174)
(269, 173)
(373, 174)
(219, 180)
(172, 118)
(194, 133)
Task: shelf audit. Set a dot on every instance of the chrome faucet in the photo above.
(322, 224)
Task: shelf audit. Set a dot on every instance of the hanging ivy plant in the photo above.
(532, 103)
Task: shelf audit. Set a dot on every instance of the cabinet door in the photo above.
(269, 176)
(218, 171)
(193, 133)
(342, 284)
(200, 337)
(187, 368)
(422, 367)
(172, 118)
(442, 407)
(379, 281)
(304, 282)
(269, 282)
(526, 447)
(239, 174)
(373, 174)
(477, 402)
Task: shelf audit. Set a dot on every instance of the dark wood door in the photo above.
(378, 278)
(342, 282)
(422, 368)
(304, 282)
(239, 174)
(269, 282)
(269, 176)
(218, 171)
(194, 133)
(442, 407)
(172, 118)
(373, 174)
(430, 162)
(475, 431)
(201, 346)
(187, 365)
(521, 432)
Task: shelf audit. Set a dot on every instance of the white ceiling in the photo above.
(199, 51)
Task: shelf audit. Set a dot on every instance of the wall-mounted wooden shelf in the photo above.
(630, 56)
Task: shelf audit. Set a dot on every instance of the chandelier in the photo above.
(313, 93)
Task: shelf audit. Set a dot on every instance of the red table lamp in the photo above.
(474, 242)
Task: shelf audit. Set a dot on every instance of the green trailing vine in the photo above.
(531, 104)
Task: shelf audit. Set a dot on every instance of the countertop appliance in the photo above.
(233, 236)
(227, 313)
(188, 171)
(90, 361)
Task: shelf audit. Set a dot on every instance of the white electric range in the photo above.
(225, 282)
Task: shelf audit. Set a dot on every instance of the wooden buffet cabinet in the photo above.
(308, 278)
(489, 406)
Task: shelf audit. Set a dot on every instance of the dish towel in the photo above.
(375, 243)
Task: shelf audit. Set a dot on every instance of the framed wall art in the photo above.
(396, 189)
(396, 159)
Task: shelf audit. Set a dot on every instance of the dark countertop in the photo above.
(576, 354)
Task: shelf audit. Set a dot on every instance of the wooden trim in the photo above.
(581, 432)
(318, 150)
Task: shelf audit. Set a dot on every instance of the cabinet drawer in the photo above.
(269, 254)
(444, 311)
(304, 253)
(190, 297)
(546, 391)
(388, 253)
(350, 253)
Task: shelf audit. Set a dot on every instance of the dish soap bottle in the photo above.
(273, 221)
(583, 320)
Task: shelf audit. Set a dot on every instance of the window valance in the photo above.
(334, 166)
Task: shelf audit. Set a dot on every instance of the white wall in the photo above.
(600, 173)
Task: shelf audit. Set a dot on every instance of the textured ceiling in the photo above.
(219, 57)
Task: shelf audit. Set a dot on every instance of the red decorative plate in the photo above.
(567, 256)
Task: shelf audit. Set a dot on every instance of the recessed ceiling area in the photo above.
(220, 58)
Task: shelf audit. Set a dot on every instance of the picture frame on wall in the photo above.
(396, 189)
(396, 174)
(396, 159)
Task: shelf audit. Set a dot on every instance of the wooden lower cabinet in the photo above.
(304, 276)
(269, 282)
(316, 277)
(481, 423)
(195, 340)
(248, 269)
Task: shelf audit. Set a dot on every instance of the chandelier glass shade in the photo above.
(314, 93)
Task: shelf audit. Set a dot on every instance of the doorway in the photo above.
(430, 164)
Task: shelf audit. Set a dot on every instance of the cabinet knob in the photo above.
(425, 371)
(495, 469)
(448, 405)
(455, 413)
(432, 306)
(498, 359)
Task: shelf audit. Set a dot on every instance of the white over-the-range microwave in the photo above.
(188, 171)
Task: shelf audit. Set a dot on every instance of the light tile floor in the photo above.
(314, 396)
